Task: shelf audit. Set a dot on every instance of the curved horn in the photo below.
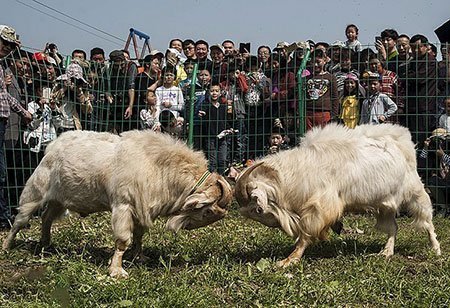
(227, 194)
(242, 181)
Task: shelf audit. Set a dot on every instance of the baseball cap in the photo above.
(154, 53)
(9, 34)
(217, 46)
(43, 57)
(281, 45)
(116, 56)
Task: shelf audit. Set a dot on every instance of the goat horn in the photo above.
(242, 181)
(227, 194)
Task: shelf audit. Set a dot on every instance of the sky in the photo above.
(261, 22)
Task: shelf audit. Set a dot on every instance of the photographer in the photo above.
(433, 157)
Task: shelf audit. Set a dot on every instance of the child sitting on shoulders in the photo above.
(351, 31)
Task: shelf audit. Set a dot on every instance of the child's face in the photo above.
(169, 77)
(214, 91)
(189, 69)
(346, 62)
(375, 66)
(351, 34)
(447, 106)
(205, 77)
(151, 98)
(350, 85)
(275, 139)
(319, 63)
(374, 86)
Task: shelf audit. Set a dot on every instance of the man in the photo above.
(122, 84)
(8, 42)
(421, 108)
(230, 50)
(201, 52)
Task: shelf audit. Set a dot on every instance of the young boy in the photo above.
(277, 140)
(378, 107)
(322, 100)
(214, 121)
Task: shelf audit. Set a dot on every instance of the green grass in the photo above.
(230, 263)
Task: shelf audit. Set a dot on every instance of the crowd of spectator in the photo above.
(232, 104)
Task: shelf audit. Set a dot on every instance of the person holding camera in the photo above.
(8, 42)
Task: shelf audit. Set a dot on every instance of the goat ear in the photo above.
(192, 202)
(259, 196)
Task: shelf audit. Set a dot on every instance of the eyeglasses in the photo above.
(263, 53)
(188, 48)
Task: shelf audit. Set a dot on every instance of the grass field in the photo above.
(230, 263)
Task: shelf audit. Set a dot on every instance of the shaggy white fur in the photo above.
(138, 177)
(303, 191)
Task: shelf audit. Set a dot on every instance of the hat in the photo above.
(439, 132)
(73, 71)
(9, 34)
(217, 46)
(116, 56)
(443, 32)
(156, 53)
(338, 44)
(297, 45)
(43, 57)
(281, 45)
(368, 75)
(175, 51)
(351, 76)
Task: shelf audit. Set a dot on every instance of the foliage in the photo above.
(230, 263)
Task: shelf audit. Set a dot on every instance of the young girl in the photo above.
(168, 96)
(350, 101)
(352, 38)
(149, 115)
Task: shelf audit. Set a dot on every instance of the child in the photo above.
(350, 102)
(444, 119)
(322, 101)
(351, 31)
(46, 119)
(277, 140)
(149, 115)
(185, 84)
(168, 96)
(378, 107)
(214, 115)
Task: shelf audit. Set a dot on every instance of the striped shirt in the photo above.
(7, 102)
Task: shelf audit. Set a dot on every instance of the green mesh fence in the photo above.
(266, 103)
